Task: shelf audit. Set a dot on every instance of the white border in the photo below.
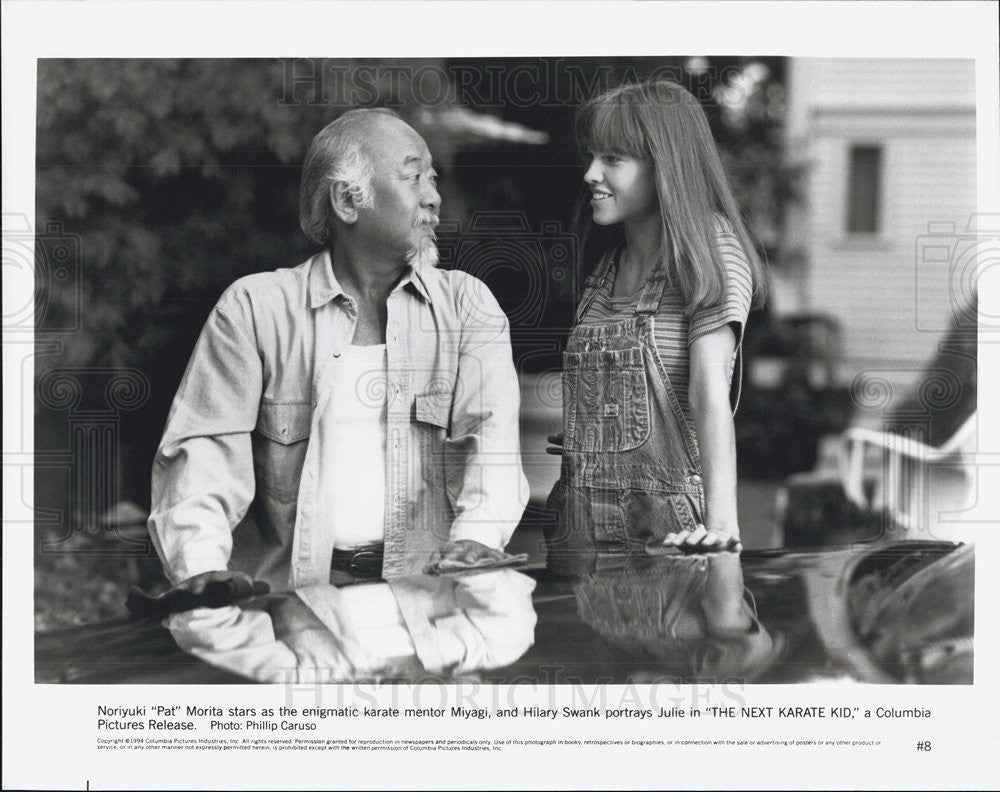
(48, 731)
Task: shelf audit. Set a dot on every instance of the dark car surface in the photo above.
(893, 613)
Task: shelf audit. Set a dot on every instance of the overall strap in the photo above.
(595, 282)
(649, 303)
(651, 295)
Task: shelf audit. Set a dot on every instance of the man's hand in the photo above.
(467, 556)
(556, 448)
(240, 582)
(467, 551)
(208, 590)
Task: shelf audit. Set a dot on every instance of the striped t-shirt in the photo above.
(673, 330)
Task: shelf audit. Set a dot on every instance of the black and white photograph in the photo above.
(475, 391)
(313, 420)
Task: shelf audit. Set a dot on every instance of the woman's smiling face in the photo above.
(623, 188)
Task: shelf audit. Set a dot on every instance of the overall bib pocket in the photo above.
(279, 448)
(605, 400)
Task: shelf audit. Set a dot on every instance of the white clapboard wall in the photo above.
(893, 290)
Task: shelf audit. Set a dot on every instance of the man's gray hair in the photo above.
(336, 154)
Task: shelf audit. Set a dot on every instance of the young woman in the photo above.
(649, 453)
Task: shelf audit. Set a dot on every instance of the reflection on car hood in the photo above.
(890, 613)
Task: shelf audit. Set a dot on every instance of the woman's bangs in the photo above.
(612, 128)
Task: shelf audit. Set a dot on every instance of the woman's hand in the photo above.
(701, 540)
(557, 444)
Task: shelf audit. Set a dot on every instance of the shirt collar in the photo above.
(323, 285)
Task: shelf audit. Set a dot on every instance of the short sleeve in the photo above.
(735, 304)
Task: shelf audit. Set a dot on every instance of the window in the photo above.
(864, 191)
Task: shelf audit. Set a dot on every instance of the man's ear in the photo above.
(342, 202)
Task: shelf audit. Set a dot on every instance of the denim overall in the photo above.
(631, 472)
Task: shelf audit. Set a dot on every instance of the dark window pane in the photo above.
(864, 190)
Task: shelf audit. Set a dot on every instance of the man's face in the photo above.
(400, 223)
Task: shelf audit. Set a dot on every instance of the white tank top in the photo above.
(352, 436)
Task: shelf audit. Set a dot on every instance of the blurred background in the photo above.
(159, 182)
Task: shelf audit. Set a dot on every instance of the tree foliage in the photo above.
(178, 176)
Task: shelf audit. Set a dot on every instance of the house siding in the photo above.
(892, 303)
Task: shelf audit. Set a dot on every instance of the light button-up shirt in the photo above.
(235, 477)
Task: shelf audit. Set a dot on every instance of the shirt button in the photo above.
(695, 479)
(284, 432)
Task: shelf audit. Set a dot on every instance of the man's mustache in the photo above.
(431, 220)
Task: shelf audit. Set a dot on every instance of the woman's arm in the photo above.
(708, 396)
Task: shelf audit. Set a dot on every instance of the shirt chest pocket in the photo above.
(279, 447)
(430, 414)
(605, 400)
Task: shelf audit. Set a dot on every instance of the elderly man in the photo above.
(352, 417)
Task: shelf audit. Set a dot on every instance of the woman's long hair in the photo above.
(660, 122)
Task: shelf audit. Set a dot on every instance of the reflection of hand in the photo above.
(467, 551)
(289, 616)
(701, 540)
(557, 444)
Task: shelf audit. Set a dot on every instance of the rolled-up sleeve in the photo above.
(486, 483)
(735, 304)
(203, 476)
